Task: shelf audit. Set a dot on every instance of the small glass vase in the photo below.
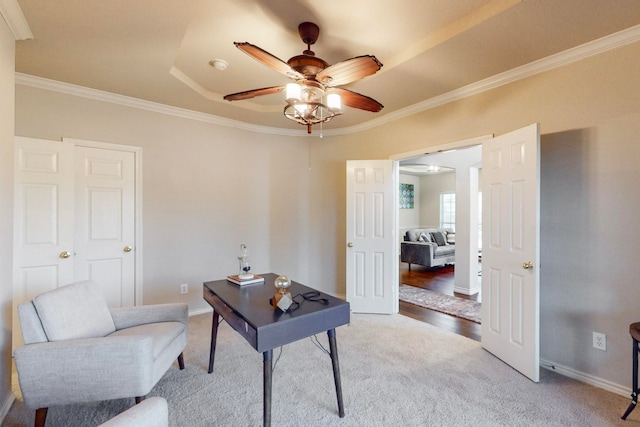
(244, 266)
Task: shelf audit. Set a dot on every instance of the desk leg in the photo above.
(214, 339)
(333, 347)
(267, 357)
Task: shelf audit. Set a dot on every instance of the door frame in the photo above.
(451, 146)
(436, 149)
(138, 251)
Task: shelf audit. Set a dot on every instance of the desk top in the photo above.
(249, 304)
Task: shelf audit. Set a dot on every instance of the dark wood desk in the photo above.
(247, 310)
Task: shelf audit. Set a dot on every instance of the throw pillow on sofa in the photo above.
(424, 238)
(438, 237)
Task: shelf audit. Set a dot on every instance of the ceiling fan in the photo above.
(315, 97)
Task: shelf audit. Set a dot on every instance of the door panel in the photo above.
(510, 292)
(105, 219)
(43, 219)
(370, 237)
(43, 216)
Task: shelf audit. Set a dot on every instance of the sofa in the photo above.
(430, 247)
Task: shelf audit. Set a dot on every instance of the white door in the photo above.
(74, 215)
(371, 224)
(43, 216)
(105, 218)
(510, 249)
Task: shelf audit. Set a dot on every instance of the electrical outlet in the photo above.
(184, 289)
(600, 341)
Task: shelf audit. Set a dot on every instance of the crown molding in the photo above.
(13, 16)
(578, 53)
(212, 96)
(128, 101)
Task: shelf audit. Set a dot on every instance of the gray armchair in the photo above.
(78, 350)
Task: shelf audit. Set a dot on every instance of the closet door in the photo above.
(105, 219)
(74, 219)
(43, 217)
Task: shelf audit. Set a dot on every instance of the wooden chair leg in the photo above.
(181, 361)
(41, 417)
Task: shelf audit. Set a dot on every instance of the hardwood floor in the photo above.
(439, 279)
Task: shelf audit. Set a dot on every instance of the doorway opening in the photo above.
(447, 198)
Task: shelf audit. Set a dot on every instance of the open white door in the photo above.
(510, 249)
(371, 262)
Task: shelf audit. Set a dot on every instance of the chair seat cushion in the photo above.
(162, 334)
(74, 311)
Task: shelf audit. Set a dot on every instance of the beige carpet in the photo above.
(396, 371)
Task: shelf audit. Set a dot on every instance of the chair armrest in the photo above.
(127, 317)
(84, 370)
(417, 252)
(424, 246)
(151, 412)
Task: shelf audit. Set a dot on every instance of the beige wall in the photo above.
(431, 186)
(206, 190)
(410, 218)
(198, 206)
(589, 114)
(7, 110)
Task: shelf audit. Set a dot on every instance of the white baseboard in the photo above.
(200, 311)
(586, 378)
(6, 406)
(466, 291)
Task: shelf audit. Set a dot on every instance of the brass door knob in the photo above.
(350, 244)
(127, 249)
(65, 254)
(527, 265)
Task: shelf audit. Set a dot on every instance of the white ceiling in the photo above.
(159, 50)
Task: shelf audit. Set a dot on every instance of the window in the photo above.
(448, 210)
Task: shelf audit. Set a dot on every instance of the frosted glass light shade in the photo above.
(334, 102)
(293, 92)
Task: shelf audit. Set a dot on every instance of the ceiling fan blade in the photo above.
(248, 94)
(356, 100)
(349, 70)
(268, 59)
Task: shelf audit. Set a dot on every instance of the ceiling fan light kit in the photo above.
(308, 105)
(315, 96)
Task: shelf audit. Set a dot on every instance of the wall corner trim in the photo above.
(6, 406)
(13, 16)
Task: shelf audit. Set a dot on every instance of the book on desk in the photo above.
(238, 281)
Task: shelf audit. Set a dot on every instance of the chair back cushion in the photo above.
(74, 311)
(30, 324)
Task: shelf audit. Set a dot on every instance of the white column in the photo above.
(466, 270)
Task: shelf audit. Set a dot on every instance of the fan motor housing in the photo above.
(307, 65)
